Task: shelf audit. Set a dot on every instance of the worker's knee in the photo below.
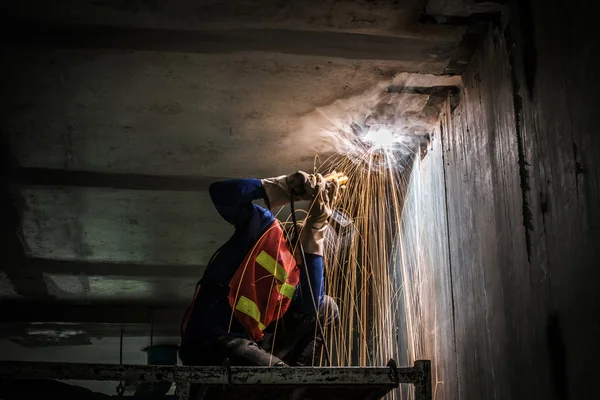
(329, 313)
(239, 351)
(246, 352)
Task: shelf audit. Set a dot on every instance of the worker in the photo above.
(256, 304)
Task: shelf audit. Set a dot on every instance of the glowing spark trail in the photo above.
(379, 268)
(365, 264)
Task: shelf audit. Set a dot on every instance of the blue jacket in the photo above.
(211, 314)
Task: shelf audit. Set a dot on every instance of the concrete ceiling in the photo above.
(171, 96)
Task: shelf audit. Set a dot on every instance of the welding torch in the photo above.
(338, 177)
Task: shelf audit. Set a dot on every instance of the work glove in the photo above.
(303, 185)
(279, 189)
(324, 194)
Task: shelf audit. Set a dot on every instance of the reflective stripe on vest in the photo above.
(264, 284)
(271, 265)
(250, 308)
(287, 290)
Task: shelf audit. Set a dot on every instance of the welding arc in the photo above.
(297, 233)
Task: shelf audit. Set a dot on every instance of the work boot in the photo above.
(246, 352)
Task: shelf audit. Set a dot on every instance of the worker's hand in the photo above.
(280, 189)
(298, 183)
(302, 185)
(324, 196)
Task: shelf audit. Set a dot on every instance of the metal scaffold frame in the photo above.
(382, 377)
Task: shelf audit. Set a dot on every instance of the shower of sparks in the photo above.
(365, 265)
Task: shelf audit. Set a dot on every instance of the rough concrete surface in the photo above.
(486, 233)
(152, 227)
(121, 289)
(384, 17)
(462, 8)
(173, 114)
(427, 316)
(556, 97)
(522, 182)
(7, 288)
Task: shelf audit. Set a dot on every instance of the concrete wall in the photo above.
(387, 17)
(463, 254)
(166, 113)
(487, 236)
(427, 315)
(522, 178)
(556, 95)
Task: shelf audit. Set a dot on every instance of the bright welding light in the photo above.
(380, 137)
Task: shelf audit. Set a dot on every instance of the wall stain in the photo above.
(578, 166)
(557, 354)
(166, 110)
(528, 51)
(68, 146)
(523, 164)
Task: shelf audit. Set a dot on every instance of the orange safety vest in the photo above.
(262, 288)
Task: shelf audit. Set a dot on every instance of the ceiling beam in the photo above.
(420, 90)
(467, 48)
(31, 323)
(59, 267)
(60, 177)
(15, 311)
(477, 25)
(300, 42)
(36, 333)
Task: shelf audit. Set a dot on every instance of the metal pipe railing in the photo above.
(382, 377)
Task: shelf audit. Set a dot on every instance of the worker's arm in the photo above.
(233, 199)
(279, 190)
(303, 301)
(312, 238)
